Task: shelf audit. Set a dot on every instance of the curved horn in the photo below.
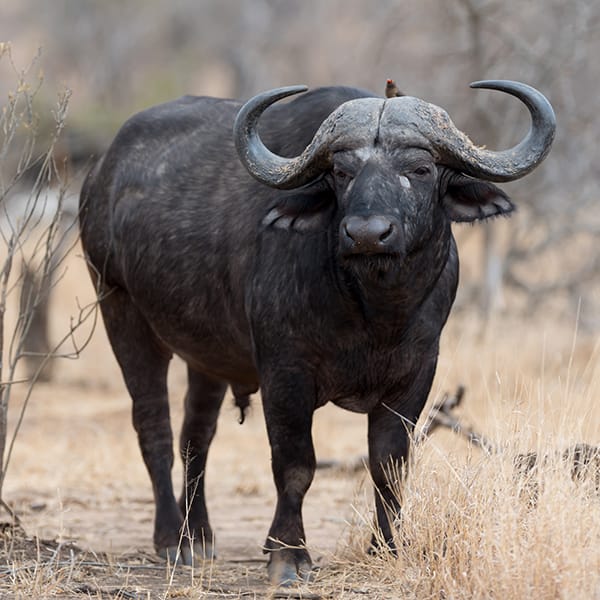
(505, 165)
(261, 163)
(359, 121)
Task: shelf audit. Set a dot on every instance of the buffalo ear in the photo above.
(309, 208)
(467, 199)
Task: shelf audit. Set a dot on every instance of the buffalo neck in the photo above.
(390, 299)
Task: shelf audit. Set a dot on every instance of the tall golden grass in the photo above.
(472, 525)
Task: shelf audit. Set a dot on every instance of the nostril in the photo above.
(347, 233)
(379, 229)
(387, 233)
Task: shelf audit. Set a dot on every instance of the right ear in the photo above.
(467, 199)
(308, 208)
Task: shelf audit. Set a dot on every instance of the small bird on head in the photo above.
(391, 89)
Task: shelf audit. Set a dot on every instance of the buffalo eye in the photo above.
(341, 176)
(422, 171)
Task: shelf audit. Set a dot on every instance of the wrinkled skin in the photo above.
(334, 292)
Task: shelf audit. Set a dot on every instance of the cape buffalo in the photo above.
(321, 270)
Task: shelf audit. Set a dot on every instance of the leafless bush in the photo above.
(36, 232)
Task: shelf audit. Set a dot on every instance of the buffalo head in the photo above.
(395, 165)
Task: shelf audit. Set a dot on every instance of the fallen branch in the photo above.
(441, 415)
(583, 459)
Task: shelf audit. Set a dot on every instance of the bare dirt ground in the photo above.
(79, 484)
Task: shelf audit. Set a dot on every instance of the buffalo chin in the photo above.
(378, 268)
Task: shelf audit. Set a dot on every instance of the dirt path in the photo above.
(78, 482)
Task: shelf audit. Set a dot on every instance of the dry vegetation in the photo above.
(470, 527)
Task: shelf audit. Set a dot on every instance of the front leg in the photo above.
(288, 404)
(388, 456)
(390, 426)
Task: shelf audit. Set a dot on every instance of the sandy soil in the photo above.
(77, 477)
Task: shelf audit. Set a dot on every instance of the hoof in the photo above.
(378, 547)
(187, 555)
(286, 569)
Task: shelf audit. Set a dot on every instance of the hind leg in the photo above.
(202, 404)
(144, 361)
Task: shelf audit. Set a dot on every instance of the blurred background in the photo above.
(118, 58)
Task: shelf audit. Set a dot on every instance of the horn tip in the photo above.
(508, 86)
(487, 83)
(295, 89)
(284, 92)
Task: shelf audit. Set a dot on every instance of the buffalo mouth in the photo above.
(378, 266)
(371, 256)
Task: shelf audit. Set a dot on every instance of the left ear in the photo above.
(306, 209)
(467, 199)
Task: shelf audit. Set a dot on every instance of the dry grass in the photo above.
(469, 528)
(472, 527)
